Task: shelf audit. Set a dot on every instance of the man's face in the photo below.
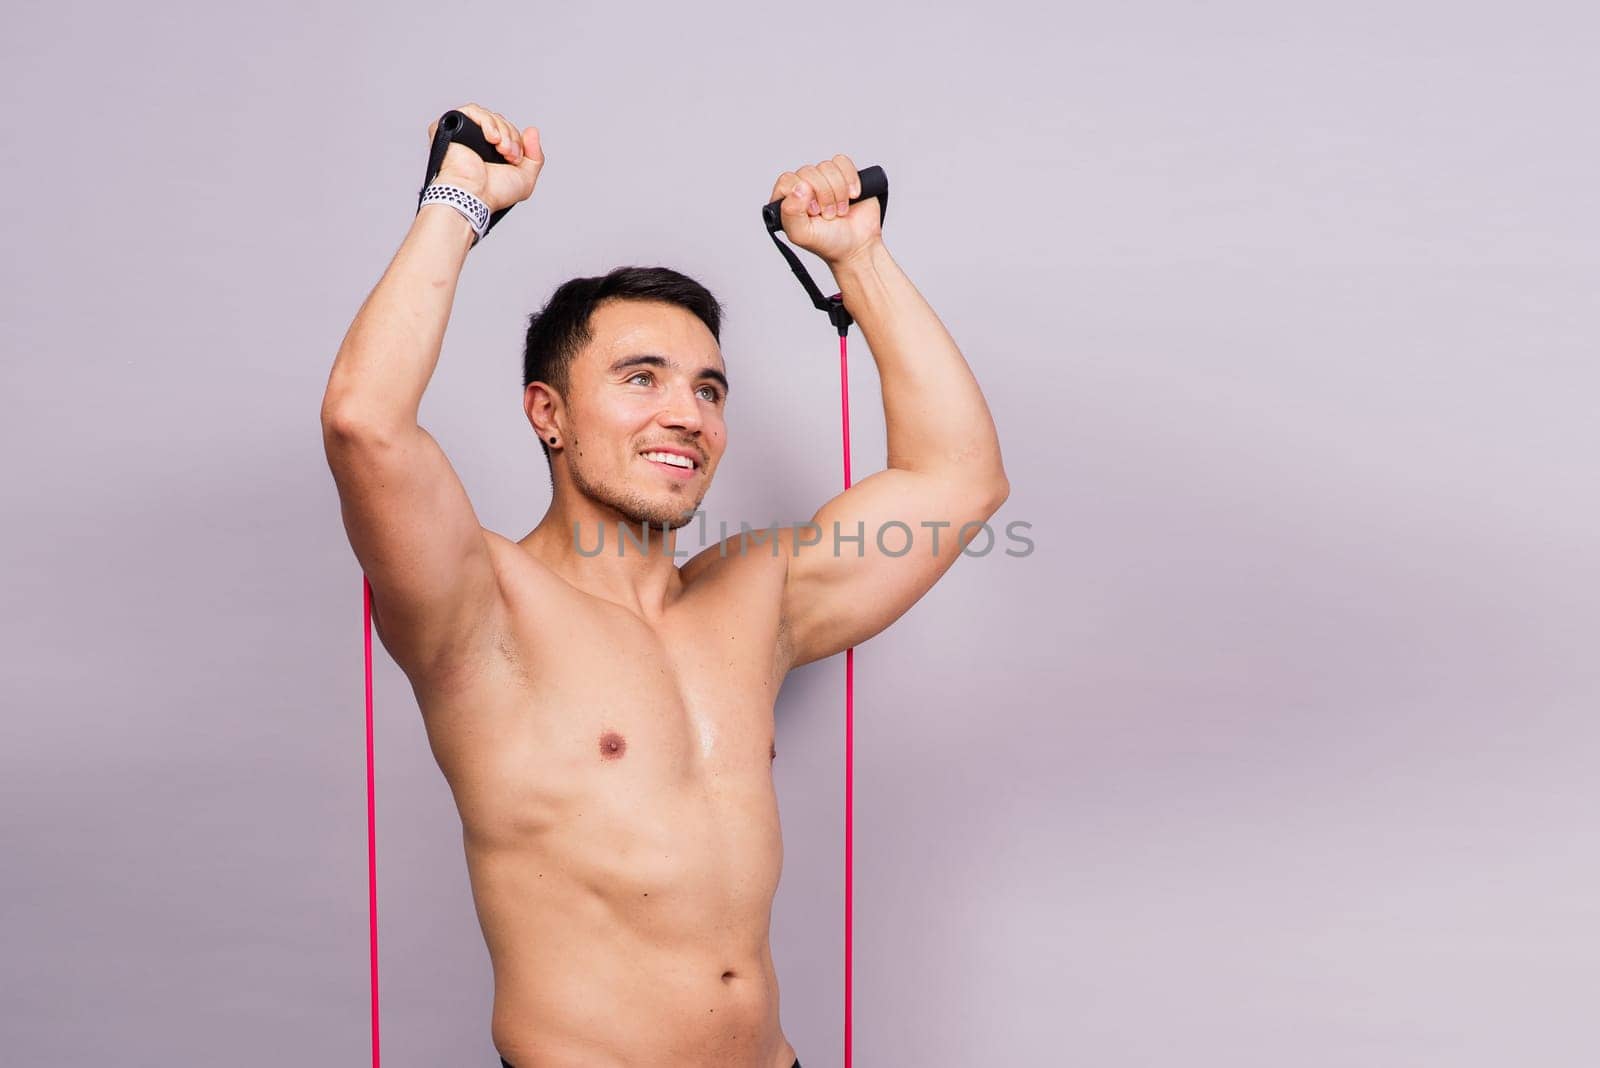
(650, 381)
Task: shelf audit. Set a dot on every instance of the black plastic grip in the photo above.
(874, 183)
(458, 128)
(463, 131)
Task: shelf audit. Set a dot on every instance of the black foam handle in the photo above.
(463, 131)
(874, 183)
(458, 128)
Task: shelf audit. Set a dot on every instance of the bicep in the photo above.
(419, 542)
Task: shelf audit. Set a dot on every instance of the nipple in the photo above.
(612, 746)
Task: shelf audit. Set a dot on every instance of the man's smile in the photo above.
(678, 463)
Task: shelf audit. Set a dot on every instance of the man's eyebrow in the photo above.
(715, 376)
(651, 359)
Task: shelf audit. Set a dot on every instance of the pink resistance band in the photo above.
(372, 821)
(849, 770)
(849, 736)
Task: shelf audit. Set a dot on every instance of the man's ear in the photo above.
(542, 404)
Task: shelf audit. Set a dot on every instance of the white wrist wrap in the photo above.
(475, 211)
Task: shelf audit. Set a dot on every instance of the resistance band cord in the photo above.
(849, 735)
(874, 184)
(372, 820)
(454, 126)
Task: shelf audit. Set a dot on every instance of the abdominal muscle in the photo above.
(644, 947)
(623, 849)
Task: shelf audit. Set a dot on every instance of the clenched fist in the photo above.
(498, 185)
(817, 213)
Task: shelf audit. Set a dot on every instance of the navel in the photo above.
(612, 746)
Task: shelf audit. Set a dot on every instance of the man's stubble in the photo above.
(627, 501)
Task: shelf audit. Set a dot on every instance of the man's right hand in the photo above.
(498, 185)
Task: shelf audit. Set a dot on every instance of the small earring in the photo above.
(552, 441)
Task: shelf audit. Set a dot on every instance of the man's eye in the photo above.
(712, 393)
(641, 374)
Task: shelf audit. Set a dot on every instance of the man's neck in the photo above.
(598, 551)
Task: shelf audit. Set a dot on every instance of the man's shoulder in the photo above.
(507, 554)
(519, 572)
(752, 554)
(743, 577)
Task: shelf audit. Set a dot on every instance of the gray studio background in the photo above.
(1278, 749)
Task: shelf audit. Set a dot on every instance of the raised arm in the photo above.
(436, 600)
(943, 465)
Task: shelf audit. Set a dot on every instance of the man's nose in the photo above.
(682, 410)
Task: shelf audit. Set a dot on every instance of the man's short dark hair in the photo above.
(560, 329)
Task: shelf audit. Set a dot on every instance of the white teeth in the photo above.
(670, 458)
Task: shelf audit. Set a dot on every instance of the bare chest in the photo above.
(590, 715)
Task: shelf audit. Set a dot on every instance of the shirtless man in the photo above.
(605, 720)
